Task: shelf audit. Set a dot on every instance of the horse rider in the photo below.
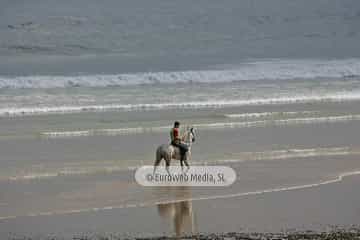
(177, 141)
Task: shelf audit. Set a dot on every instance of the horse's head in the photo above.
(192, 134)
(189, 136)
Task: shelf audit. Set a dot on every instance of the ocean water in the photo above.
(60, 57)
(62, 38)
(88, 90)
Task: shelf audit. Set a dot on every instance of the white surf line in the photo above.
(71, 169)
(269, 69)
(267, 114)
(339, 178)
(272, 190)
(139, 130)
(71, 172)
(284, 154)
(26, 111)
(279, 122)
(107, 132)
(118, 131)
(70, 133)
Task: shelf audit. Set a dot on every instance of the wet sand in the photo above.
(317, 208)
(298, 175)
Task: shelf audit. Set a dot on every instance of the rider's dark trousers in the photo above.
(183, 148)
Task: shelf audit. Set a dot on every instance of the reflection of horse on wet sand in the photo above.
(181, 213)
(168, 151)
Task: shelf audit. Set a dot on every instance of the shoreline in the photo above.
(350, 233)
(310, 213)
(344, 234)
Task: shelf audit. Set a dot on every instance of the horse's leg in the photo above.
(167, 161)
(187, 164)
(157, 162)
(186, 160)
(158, 159)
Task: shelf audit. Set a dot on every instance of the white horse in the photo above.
(168, 151)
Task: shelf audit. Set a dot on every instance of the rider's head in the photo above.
(176, 124)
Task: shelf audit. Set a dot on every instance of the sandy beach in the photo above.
(297, 168)
(285, 182)
(322, 208)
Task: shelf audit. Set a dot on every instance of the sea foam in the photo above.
(214, 125)
(257, 70)
(330, 97)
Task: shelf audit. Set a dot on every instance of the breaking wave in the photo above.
(268, 114)
(22, 111)
(260, 70)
